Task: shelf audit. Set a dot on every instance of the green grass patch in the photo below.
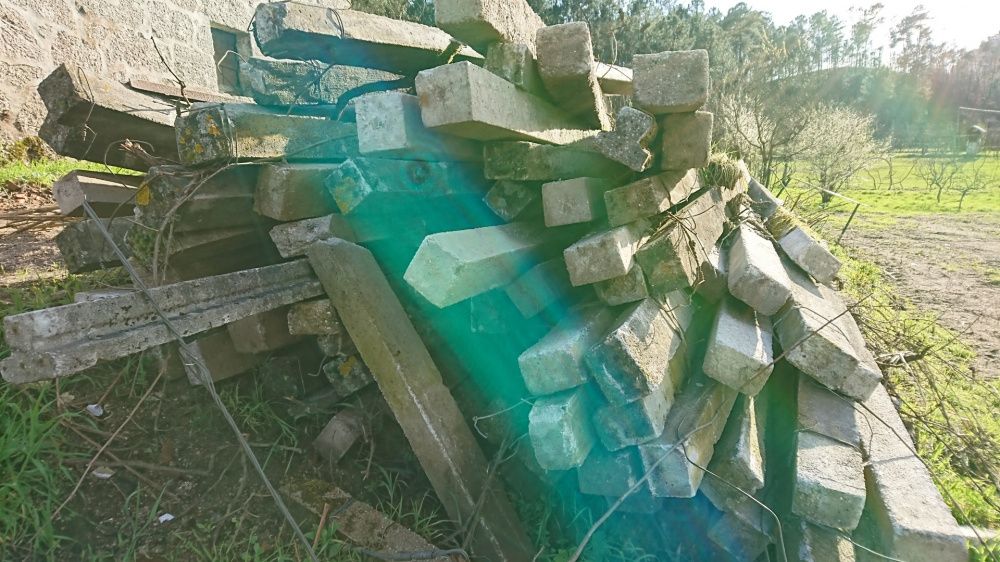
(951, 413)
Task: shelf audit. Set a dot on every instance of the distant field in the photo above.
(910, 193)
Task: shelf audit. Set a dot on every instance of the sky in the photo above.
(962, 23)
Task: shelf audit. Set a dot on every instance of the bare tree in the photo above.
(938, 173)
(974, 177)
(839, 143)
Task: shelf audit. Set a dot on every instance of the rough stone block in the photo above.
(739, 352)
(412, 386)
(693, 426)
(482, 22)
(450, 267)
(220, 358)
(574, 201)
(911, 520)
(560, 429)
(374, 187)
(390, 126)
(628, 143)
(738, 457)
(512, 200)
(763, 202)
(809, 254)
(541, 287)
(636, 422)
(671, 82)
(290, 192)
(556, 362)
(347, 374)
(262, 332)
(604, 255)
(822, 411)
(284, 82)
(313, 32)
(566, 64)
(649, 196)
(607, 473)
(756, 275)
(525, 161)
(829, 482)
(631, 361)
(467, 101)
(83, 248)
(293, 238)
(108, 194)
(687, 140)
(820, 338)
(218, 133)
(313, 318)
(515, 63)
(186, 201)
(628, 288)
(339, 435)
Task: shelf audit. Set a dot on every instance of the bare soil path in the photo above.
(948, 264)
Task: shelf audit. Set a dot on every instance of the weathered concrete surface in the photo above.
(357, 522)
(293, 238)
(671, 82)
(513, 200)
(809, 254)
(756, 275)
(515, 63)
(814, 543)
(313, 318)
(224, 133)
(687, 140)
(205, 253)
(739, 454)
(630, 287)
(822, 411)
(556, 362)
(713, 277)
(673, 256)
(819, 337)
(739, 353)
(695, 423)
(217, 353)
(346, 373)
(452, 266)
(649, 196)
(526, 161)
(108, 194)
(290, 192)
(482, 22)
(614, 79)
(762, 201)
(829, 482)
(909, 517)
(66, 339)
(560, 429)
(744, 532)
(307, 32)
(628, 143)
(467, 101)
(541, 287)
(83, 248)
(566, 64)
(574, 201)
(375, 186)
(604, 255)
(174, 199)
(632, 360)
(339, 435)
(637, 422)
(267, 331)
(609, 474)
(286, 82)
(390, 126)
(88, 115)
(412, 386)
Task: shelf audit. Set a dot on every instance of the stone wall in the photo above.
(110, 37)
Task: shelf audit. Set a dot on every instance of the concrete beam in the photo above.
(739, 455)
(650, 196)
(560, 429)
(293, 238)
(261, 333)
(412, 386)
(88, 114)
(829, 482)
(574, 201)
(614, 79)
(604, 255)
(185, 201)
(108, 194)
(525, 161)
(217, 352)
(390, 126)
(541, 287)
(556, 362)
(628, 143)
(312, 32)
(346, 373)
(739, 352)
(482, 22)
(467, 101)
(285, 82)
(513, 200)
(671, 81)
(756, 275)
(291, 192)
(809, 254)
(515, 63)
(566, 64)
(314, 318)
(67, 339)
(628, 288)
(83, 247)
(226, 133)
(687, 140)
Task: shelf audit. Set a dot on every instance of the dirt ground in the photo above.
(948, 264)
(30, 254)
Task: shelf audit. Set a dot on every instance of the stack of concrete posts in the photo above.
(645, 299)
